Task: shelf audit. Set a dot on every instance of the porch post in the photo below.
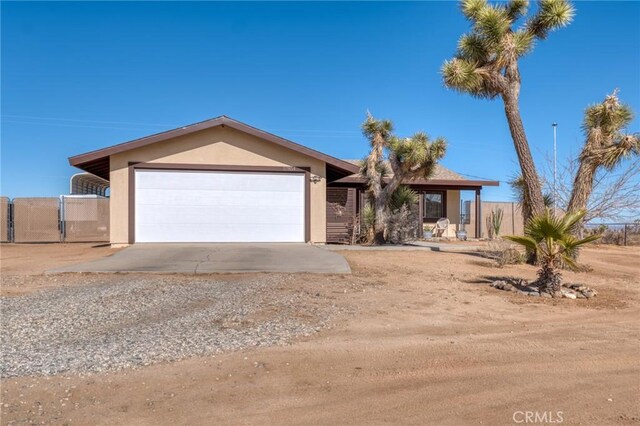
(420, 214)
(478, 214)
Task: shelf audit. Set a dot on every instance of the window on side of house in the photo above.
(434, 205)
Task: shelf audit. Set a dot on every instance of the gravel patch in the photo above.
(124, 322)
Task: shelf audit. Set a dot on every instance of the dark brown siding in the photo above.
(341, 213)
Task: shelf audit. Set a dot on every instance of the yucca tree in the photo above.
(408, 158)
(551, 238)
(486, 66)
(517, 184)
(606, 145)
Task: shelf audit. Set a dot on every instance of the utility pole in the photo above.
(555, 167)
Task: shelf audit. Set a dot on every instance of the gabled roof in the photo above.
(97, 162)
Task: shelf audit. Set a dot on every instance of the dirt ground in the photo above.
(427, 342)
(32, 259)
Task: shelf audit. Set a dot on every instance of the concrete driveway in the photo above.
(212, 258)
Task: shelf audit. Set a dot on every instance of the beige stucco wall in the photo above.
(219, 146)
(453, 214)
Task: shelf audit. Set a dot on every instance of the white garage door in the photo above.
(201, 206)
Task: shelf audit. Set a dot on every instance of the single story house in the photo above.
(221, 180)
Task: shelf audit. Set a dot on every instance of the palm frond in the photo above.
(524, 241)
(403, 196)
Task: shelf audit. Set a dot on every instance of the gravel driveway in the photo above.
(127, 321)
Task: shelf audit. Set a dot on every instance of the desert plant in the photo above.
(503, 252)
(402, 196)
(407, 158)
(606, 145)
(551, 238)
(494, 222)
(367, 224)
(486, 66)
(402, 226)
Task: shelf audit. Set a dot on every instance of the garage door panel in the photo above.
(190, 206)
(159, 197)
(256, 233)
(240, 181)
(218, 214)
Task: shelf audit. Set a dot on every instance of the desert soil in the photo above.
(422, 339)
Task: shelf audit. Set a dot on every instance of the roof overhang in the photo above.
(356, 180)
(97, 162)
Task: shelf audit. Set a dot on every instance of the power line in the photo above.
(31, 117)
(60, 119)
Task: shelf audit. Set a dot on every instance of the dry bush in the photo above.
(503, 252)
(402, 225)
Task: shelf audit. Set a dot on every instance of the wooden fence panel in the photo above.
(341, 213)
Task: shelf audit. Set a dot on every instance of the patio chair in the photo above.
(441, 226)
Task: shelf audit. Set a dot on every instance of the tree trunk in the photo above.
(550, 280)
(376, 190)
(380, 206)
(533, 198)
(533, 189)
(582, 188)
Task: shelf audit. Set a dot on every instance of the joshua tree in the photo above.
(518, 186)
(408, 158)
(550, 238)
(606, 145)
(486, 66)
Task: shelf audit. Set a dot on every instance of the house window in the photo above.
(434, 205)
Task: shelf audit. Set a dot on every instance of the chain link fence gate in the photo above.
(36, 220)
(85, 219)
(5, 215)
(53, 220)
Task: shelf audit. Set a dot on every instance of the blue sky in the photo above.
(81, 76)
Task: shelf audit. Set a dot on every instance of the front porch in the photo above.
(436, 201)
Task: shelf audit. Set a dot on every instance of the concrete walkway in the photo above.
(415, 245)
(212, 258)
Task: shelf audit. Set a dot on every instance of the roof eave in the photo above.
(88, 157)
(429, 182)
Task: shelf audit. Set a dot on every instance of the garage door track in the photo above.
(216, 258)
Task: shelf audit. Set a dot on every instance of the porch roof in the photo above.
(443, 178)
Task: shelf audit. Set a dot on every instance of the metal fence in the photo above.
(49, 220)
(622, 234)
(85, 219)
(5, 214)
(36, 220)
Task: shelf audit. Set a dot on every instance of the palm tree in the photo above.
(408, 158)
(550, 238)
(606, 145)
(486, 66)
